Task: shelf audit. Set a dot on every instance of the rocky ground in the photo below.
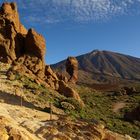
(26, 122)
(21, 123)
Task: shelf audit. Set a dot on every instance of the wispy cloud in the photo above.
(54, 11)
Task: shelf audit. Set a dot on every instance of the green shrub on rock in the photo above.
(73, 102)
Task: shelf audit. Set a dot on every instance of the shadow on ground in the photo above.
(16, 100)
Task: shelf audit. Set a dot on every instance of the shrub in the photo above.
(67, 106)
(73, 102)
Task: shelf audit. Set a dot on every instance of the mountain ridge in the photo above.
(103, 66)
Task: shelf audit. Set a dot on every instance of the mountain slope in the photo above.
(104, 66)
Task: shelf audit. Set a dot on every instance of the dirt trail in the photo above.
(117, 106)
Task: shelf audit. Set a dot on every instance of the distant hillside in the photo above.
(105, 66)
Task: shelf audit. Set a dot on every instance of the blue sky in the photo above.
(75, 27)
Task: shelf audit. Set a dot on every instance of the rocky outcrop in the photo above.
(9, 131)
(35, 44)
(18, 44)
(11, 33)
(25, 50)
(9, 14)
(32, 63)
(72, 69)
(51, 78)
(126, 91)
(129, 90)
(69, 92)
(62, 77)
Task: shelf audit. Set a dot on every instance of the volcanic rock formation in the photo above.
(72, 69)
(25, 50)
(35, 44)
(11, 33)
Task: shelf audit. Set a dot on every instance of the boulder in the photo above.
(129, 90)
(69, 92)
(122, 92)
(49, 72)
(72, 69)
(51, 78)
(62, 77)
(61, 128)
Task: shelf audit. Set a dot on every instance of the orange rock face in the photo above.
(72, 69)
(10, 30)
(9, 12)
(35, 44)
(69, 92)
(15, 40)
(18, 44)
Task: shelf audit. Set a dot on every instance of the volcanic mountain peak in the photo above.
(105, 66)
(95, 51)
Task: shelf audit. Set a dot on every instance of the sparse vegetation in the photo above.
(41, 94)
(99, 107)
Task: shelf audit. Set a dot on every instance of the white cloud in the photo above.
(53, 11)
